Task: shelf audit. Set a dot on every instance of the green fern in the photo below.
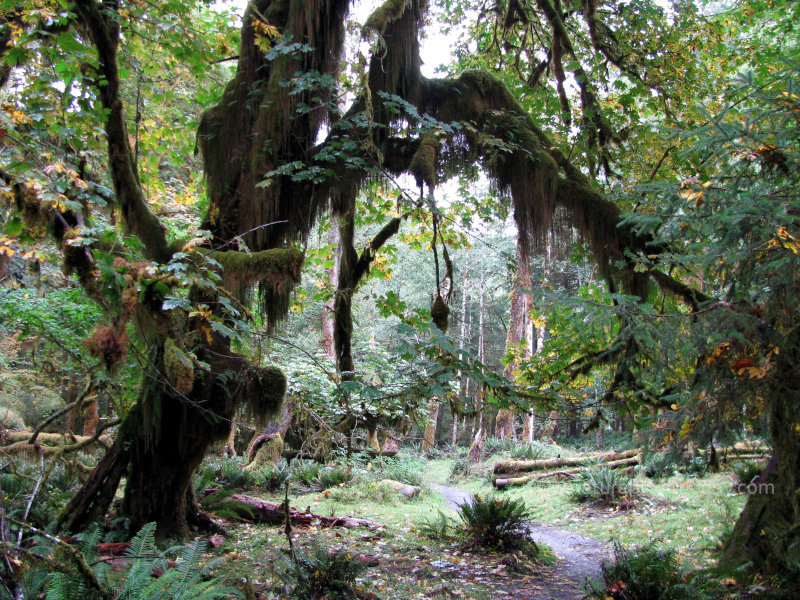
(188, 580)
(318, 573)
(493, 522)
(645, 573)
(601, 484)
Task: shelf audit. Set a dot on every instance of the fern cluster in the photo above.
(645, 573)
(491, 522)
(150, 575)
(602, 484)
(319, 573)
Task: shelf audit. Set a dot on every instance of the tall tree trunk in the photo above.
(454, 410)
(518, 330)
(767, 533)
(429, 437)
(463, 378)
(476, 449)
(328, 345)
(529, 426)
(91, 416)
(549, 433)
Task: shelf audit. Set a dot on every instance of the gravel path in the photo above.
(580, 557)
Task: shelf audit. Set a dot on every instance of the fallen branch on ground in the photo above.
(263, 511)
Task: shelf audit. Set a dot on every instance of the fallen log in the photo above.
(263, 511)
(502, 483)
(53, 444)
(49, 439)
(523, 466)
(407, 491)
(733, 457)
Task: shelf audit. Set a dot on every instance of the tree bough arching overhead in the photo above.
(277, 152)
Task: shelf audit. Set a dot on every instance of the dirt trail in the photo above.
(580, 558)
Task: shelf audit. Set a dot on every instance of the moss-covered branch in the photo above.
(688, 294)
(103, 29)
(369, 253)
(387, 12)
(277, 267)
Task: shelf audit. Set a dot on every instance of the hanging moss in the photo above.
(396, 69)
(385, 14)
(440, 313)
(178, 367)
(423, 164)
(277, 266)
(262, 394)
(276, 272)
(110, 344)
(239, 147)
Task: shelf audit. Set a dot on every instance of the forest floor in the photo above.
(414, 558)
(579, 558)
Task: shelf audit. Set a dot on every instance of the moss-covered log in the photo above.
(504, 482)
(522, 466)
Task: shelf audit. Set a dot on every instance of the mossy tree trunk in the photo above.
(165, 437)
(518, 339)
(766, 536)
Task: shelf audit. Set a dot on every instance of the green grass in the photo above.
(688, 515)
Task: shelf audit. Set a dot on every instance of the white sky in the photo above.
(436, 48)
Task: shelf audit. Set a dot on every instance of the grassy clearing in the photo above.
(412, 564)
(688, 515)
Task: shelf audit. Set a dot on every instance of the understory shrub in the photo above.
(602, 484)
(227, 472)
(744, 472)
(663, 465)
(306, 471)
(406, 469)
(645, 573)
(492, 522)
(331, 476)
(440, 528)
(319, 573)
(660, 465)
(463, 468)
(273, 477)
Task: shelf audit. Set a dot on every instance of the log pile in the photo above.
(520, 472)
(524, 466)
(504, 482)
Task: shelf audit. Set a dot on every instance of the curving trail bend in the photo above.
(579, 557)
